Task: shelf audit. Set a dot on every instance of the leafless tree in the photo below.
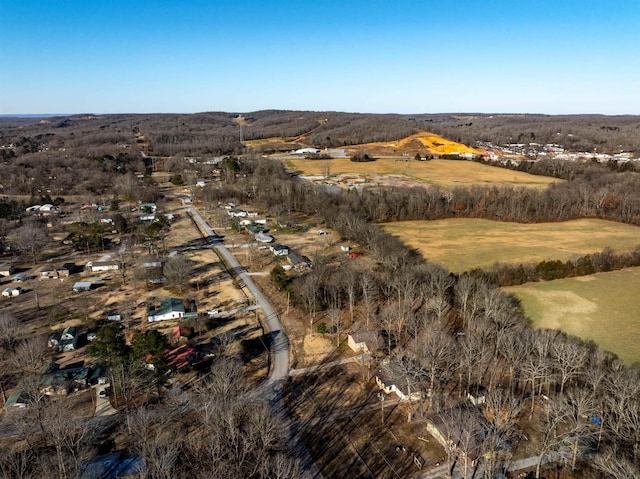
(16, 464)
(178, 269)
(368, 289)
(29, 240)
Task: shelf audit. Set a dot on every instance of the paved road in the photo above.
(271, 390)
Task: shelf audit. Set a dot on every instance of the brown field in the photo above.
(445, 173)
(462, 244)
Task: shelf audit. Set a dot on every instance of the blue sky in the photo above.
(420, 56)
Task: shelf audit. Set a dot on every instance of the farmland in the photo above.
(602, 308)
(445, 173)
(462, 244)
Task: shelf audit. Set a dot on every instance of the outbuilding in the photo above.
(82, 286)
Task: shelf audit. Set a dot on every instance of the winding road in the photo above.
(271, 390)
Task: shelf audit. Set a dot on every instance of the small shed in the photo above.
(6, 269)
(11, 292)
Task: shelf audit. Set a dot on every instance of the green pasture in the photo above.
(461, 244)
(603, 308)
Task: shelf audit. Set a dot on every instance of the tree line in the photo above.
(452, 332)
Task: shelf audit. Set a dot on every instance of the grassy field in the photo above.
(446, 173)
(602, 307)
(463, 244)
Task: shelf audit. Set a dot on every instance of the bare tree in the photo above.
(29, 240)
(178, 270)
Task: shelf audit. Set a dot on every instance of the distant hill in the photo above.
(219, 133)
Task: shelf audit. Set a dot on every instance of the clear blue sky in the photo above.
(404, 56)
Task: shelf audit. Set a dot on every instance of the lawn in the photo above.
(461, 244)
(602, 307)
(446, 173)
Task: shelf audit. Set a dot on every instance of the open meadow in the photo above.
(602, 307)
(445, 173)
(461, 244)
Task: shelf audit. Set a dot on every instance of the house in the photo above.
(153, 262)
(53, 272)
(363, 341)
(279, 250)
(460, 429)
(392, 379)
(255, 229)
(170, 308)
(98, 266)
(299, 262)
(237, 213)
(18, 400)
(20, 277)
(114, 316)
(264, 238)
(116, 465)
(6, 269)
(147, 217)
(181, 357)
(345, 248)
(10, 292)
(82, 286)
(68, 339)
(200, 182)
(148, 207)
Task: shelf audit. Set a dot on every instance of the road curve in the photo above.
(271, 390)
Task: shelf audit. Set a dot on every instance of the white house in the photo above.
(171, 308)
(98, 266)
(200, 182)
(391, 379)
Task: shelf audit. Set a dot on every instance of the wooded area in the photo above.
(448, 333)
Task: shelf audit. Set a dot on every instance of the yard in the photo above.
(339, 417)
(463, 244)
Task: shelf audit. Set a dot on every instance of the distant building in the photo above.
(99, 266)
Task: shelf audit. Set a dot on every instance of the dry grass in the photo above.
(445, 173)
(463, 244)
(589, 307)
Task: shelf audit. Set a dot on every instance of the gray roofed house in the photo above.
(298, 261)
(82, 286)
(391, 378)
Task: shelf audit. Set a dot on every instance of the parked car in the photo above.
(102, 392)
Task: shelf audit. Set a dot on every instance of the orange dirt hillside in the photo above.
(423, 143)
